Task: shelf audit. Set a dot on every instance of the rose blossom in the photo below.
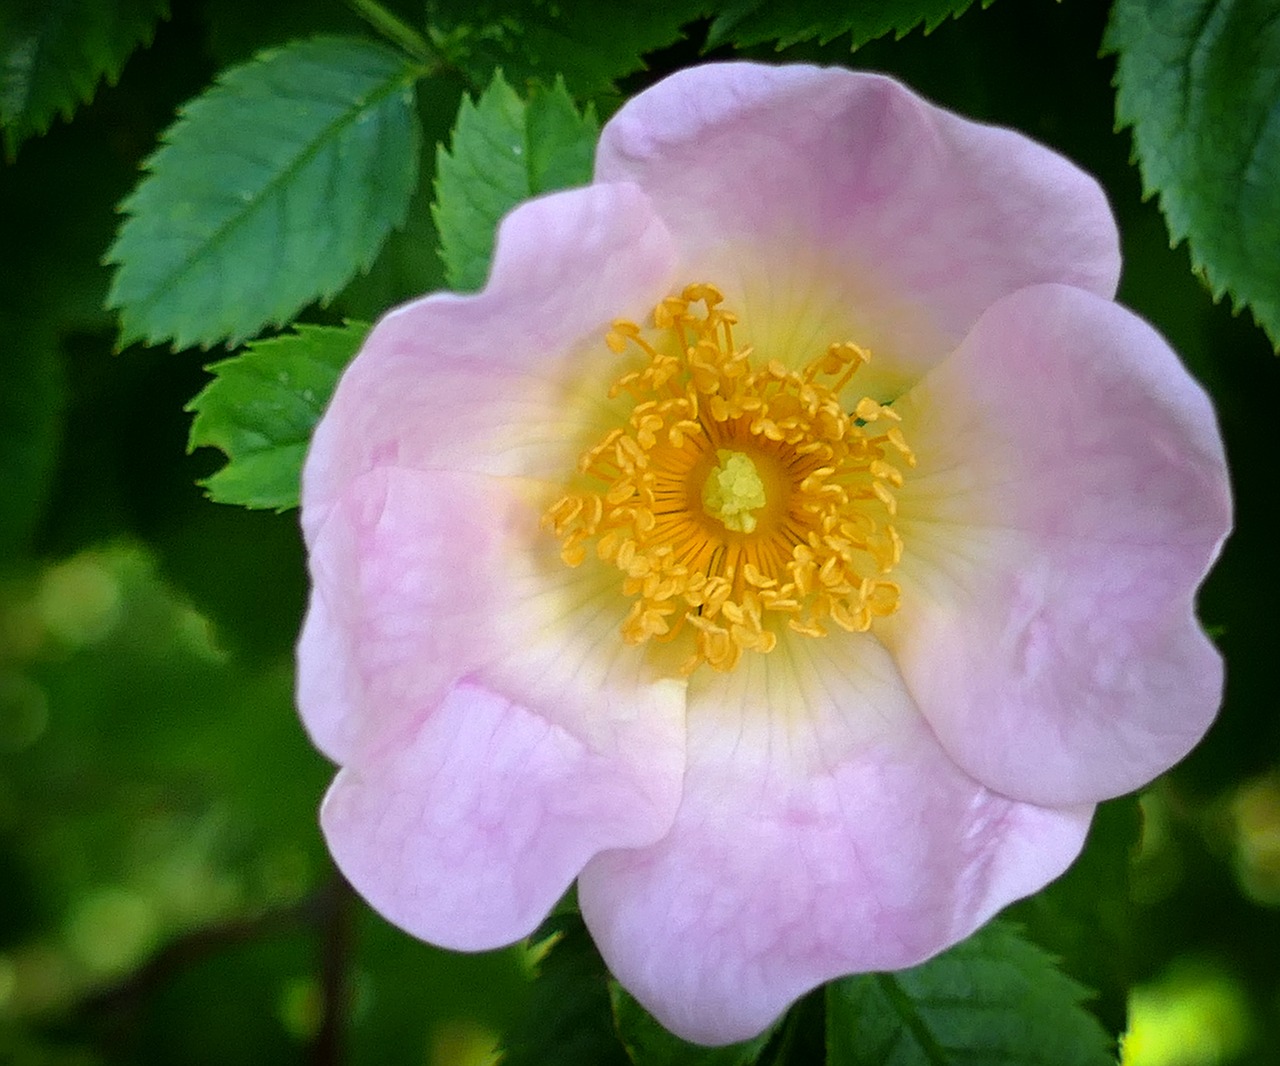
(792, 542)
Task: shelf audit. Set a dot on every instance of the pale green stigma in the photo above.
(733, 491)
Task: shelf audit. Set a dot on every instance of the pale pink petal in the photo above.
(1071, 495)
(494, 736)
(401, 570)
(468, 832)
(833, 206)
(509, 381)
(822, 832)
(421, 578)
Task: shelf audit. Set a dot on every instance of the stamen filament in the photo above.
(739, 500)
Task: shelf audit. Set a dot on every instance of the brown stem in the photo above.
(193, 947)
(337, 930)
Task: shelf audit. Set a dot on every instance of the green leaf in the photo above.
(1086, 918)
(747, 22)
(53, 54)
(995, 998)
(1199, 82)
(269, 192)
(503, 152)
(261, 407)
(409, 263)
(649, 1044)
(569, 1019)
(590, 47)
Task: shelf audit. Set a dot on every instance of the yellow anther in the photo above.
(868, 410)
(886, 472)
(739, 500)
(894, 436)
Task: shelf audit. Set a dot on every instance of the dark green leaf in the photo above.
(590, 46)
(409, 263)
(746, 22)
(261, 408)
(53, 54)
(995, 998)
(271, 190)
(569, 1020)
(1086, 917)
(649, 1044)
(1199, 82)
(503, 152)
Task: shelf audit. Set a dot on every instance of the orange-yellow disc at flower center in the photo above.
(738, 498)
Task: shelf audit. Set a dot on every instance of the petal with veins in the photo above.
(822, 831)
(1071, 496)
(468, 832)
(422, 578)
(530, 347)
(833, 205)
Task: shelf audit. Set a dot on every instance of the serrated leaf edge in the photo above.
(192, 407)
(410, 72)
(1151, 191)
(717, 39)
(17, 133)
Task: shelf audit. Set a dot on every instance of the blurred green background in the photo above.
(164, 893)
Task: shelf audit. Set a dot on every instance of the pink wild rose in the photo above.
(793, 543)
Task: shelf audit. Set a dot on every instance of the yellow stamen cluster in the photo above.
(737, 498)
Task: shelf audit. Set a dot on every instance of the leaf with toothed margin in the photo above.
(1086, 917)
(261, 407)
(787, 22)
(994, 998)
(568, 1020)
(55, 53)
(588, 44)
(1199, 83)
(504, 151)
(269, 192)
(649, 1044)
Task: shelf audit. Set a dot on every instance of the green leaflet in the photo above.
(568, 1020)
(53, 54)
(649, 1044)
(261, 407)
(1199, 82)
(1086, 918)
(589, 44)
(270, 191)
(503, 152)
(747, 22)
(995, 998)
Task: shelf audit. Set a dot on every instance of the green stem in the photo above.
(396, 30)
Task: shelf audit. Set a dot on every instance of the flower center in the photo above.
(733, 491)
(739, 500)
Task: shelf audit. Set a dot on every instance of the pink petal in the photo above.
(421, 578)
(468, 833)
(822, 832)
(402, 570)
(834, 206)
(502, 382)
(495, 736)
(1071, 495)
